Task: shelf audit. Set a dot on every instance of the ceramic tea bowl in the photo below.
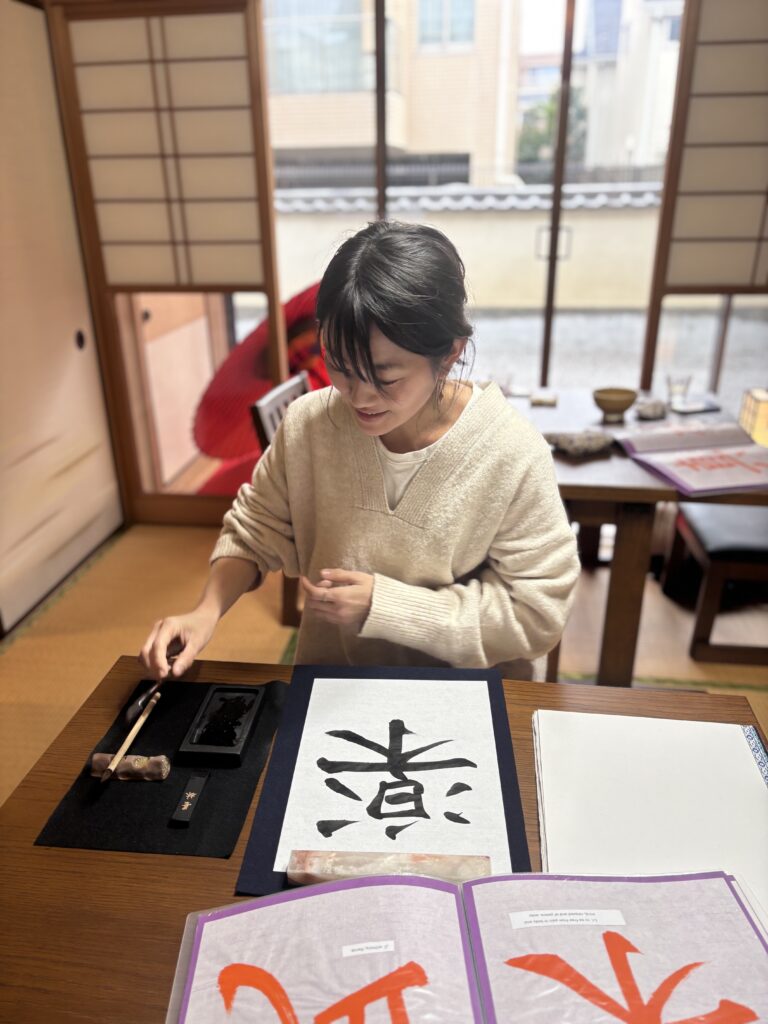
(614, 402)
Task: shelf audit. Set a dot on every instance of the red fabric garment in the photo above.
(223, 426)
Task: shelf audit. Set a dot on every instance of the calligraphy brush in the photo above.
(134, 710)
(110, 769)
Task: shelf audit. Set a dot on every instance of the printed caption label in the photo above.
(544, 918)
(363, 948)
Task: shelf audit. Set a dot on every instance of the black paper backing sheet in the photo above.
(133, 816)
(257, 875)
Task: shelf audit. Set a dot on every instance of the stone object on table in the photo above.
(308, 867)
(580, 444)
(651, 409)
(543, 396)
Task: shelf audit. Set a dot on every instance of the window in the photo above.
(446, 22)
(317, 47)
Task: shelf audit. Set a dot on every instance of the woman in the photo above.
(421, 512)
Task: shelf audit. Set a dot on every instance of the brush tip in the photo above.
(106, 775)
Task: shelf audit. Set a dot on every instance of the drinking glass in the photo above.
(677, 388)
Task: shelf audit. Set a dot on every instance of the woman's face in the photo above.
(408, 383)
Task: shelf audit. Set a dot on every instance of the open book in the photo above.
(518, 948)
(699, 457)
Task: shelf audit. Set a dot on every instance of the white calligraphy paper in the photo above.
(426, 778)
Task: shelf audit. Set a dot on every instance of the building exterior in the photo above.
(452, 72)
(627, 73)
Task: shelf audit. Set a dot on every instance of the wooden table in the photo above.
(93, 936)
(615, 489)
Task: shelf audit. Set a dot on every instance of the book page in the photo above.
(659, 437)
(399, 766)
(590, 951)
(711, 470)
(347, 951)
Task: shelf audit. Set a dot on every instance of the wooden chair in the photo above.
(730, 542)
(267, 414)
(268, 411)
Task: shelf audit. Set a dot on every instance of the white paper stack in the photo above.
(624, 795)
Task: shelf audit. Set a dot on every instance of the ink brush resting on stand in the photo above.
(110, 770)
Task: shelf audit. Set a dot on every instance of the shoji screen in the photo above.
(166, 114)
(163, 108)
(719, 230)
(713, 229)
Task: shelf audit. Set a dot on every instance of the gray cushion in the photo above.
(729, 531)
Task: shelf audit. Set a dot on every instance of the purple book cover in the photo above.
(526, 948)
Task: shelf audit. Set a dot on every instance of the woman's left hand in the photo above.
(341, 597)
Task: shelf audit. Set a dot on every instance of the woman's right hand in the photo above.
(188, 634)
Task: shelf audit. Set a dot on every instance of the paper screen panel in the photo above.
(139, 264)
(160, 81)
(728, 119)
(739, 67)
(177, 222)
(730, 169)
(212, 222)
(133, 222)
(141, 84)
(165, 125)
(736, 19)
(127, 179)
(227, 264)
(218, 177)
(205, 35)
(156, 36)
(215, 131)
(183, 265)
(109, 39)
(121, 134)
(711, 263)
(718, 216)
(215, 83)
(120, 86)
(172, 177)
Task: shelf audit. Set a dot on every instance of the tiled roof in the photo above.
(457, 198)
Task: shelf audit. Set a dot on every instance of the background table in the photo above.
(616, 489)
(93, 936)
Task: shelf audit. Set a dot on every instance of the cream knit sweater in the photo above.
(474, 567)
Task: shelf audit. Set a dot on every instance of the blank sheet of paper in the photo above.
(624, 795)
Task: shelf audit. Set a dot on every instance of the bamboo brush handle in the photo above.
(130, 737)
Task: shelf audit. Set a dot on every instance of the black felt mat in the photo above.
(133, 816)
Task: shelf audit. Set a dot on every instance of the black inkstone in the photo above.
(221, 728)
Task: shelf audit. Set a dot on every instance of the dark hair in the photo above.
(408, 280)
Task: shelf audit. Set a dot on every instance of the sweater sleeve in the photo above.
(258, 527)
(514, 606)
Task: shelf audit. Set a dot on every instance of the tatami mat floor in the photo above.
(52, 662)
